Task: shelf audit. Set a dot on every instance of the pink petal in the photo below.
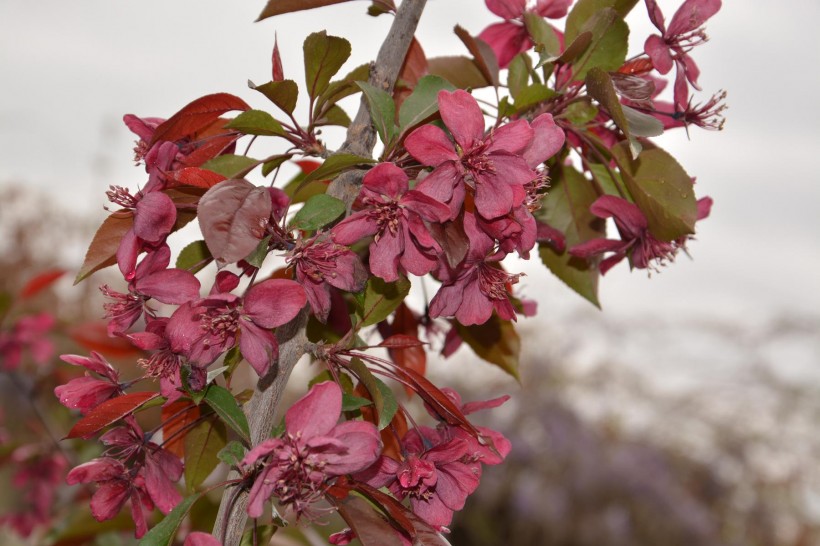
(199, 538)
(511, 137)
(386, 179)
(363, 447)
(493, 196)
(425, 206)
(154, 217)
(84, 393)
(157, 260)
(142, 127)
(109, 499)
(385, 253)
(316, 413)
(274, 302)
(173, 286)
(158, 484)
(692, 15)
(704, 207)
(548, 139)
(259, 347)
(444, 185)
(261, 490)
(507, 9)
(681, 88)
(628, 215)
(506, 40)
(476, 307)
(552, 9)
(596, 247)
(659, 52)
(96, 470)
(462, 116)
(127, 252)
(446, 301)
(430, 146)
(413, 260)
(655, 15)
(353, 228)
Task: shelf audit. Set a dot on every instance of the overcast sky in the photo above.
(70, 70)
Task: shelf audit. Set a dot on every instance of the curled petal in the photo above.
(274, 302)
(154, 217)
(548, 139)
(386, 179)
(259, 347)
(316, 413)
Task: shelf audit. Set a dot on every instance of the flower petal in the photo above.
(274, 302)
(462, 116)
(316, 413)
(511, 137)
(154, 216)
(547, 140)
(430, 146)
(386, 179)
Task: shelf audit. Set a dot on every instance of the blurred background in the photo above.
(683, 413)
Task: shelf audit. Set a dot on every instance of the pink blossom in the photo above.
(87, 392)
(509, 38)
(477, 287)
(35, 481)
(672, 47)
(164, 363)
(491, 166)
(320, 264)
(395, 215)
(28, 333)
(636, 242)
(198, 538)
(314, 449)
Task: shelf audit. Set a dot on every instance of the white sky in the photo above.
(70, 70)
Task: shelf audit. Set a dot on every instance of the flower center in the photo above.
(121, 304)
(477, 161)
(122, 197)
(220, 324)
(494, 282)
(162, 364)
(317, 260)
(387, 215)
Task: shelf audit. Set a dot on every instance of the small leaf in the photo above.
(258, 535)
(41, 282)
(518, 74)
(231, 166)
(257, 257)
(422, 102)
(495, 341)
(584, 10)
(232, 453)
(256, 122)
(382, 111)
(283, 94)
(460, 71)
(542, 33)
(351, 402)
(324, 56)
(164, 532)
(233, 217)
(599, 85)
(333, 115)
(580, 112)
(194, 257)
(202, 443)
(102, 251)
(604, 177)
(383, 399)
(608, 45)
(109, 412)
(317, 212)
(197, 115)
(640, 124)
(482, 53)
(382, 298)
(175, 417)
(334, 165)
(225, 405)
(566, 208)
(196, 177)
(532, 95)
(277, 72)
(339, 89)
(278, 7)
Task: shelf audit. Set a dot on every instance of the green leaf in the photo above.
(202, 443)
(334, 115)
(382, 298)
(257, 257)
(226, 407)
(609, 182)
(257, 535)
(283, 94)
(164, 532)
(583, 11)
(422, 102)
(532, 95)
(194, 257)
(317, 212)
(382, 111)
(333, 166)
(231, 166)
(232, 359)
(600, 87)
(495, 341)
(339, 89)
(324, 56)
(459, 70)
(256, 122)
(5, 304)
(608, 46)
(542, 33)
(580, 112)
(566, 208)
(518, 74)
(640, 124)
(232, 453)
(273, 162)
(383, 399)
(351, 403)
(661, 189)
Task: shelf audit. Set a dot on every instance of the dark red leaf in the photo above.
(308, 165)
(208, 147)
(197, 115)
(109, 412)
(102, 251)
(276, 62)
(40, 282)
(482, 53)
(370, 528)
(401, 341)
(278, 7)
(175, 417)
(194, 176)
(391, 507)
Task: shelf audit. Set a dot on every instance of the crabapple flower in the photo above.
(395, 214)
(35, 479)
(478, 286)
(297, 468)
(199, 538)
(28, 333)
(87, 392)
(492, 166)
(636, 242)
(509, 38)
(164, 363)
(320, 264)
(672, 46)
(204, 329)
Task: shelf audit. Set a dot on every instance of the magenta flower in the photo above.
(204, 329)
(35, 479)
(395, 214)
(28, 333)
(164, 363)
(432, 474)
(297, 468)
(199, 538)
(320, 264)
(510, 38)
(672, 47)
(87, 392)
(478, 286)
(492, 166)
(636, 241)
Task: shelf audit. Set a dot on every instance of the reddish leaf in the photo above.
(209, 147)
(391, 507)
(276, 62)
(407, 352)
(175, 417)
(194, 176)
(233, 216)
(102, 251)
(94, 337)
(414, 67)
(278, 7)
(197, 115)
(308, 165)
(482, 54)
(108, 412)
(401, 341)
(370, 528)
(40, 282)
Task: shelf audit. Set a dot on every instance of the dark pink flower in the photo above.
(636, 242)
(164, 363)
(395, 214)
(510, 38)
(492, 166)
(201, 539)
(87, 392)
(29, 333)
(204, 329)
(477, 287)
(432, 474)
(320, 264)
(35, 480)
(314, 449)
(672, 47)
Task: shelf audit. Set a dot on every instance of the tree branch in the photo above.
(360, 140)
